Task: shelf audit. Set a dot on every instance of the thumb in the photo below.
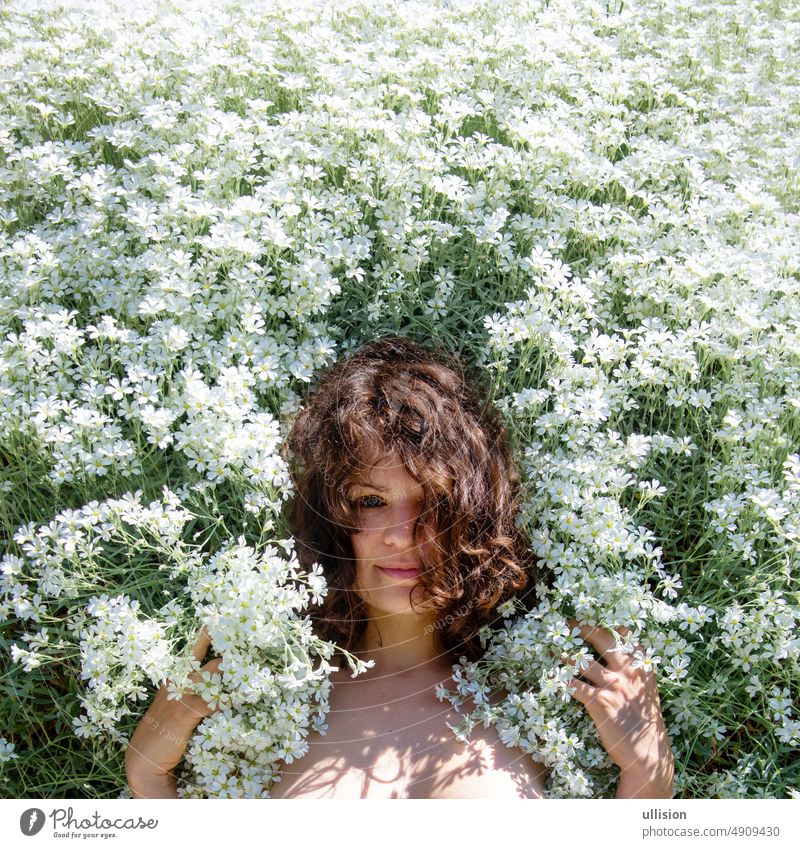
(201, 646)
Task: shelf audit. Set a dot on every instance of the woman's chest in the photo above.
(393, 743)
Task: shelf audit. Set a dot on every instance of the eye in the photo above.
(360, 501)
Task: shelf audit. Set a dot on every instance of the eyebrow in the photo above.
(363, 484)
(366, 485)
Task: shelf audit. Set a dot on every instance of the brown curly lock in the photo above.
(427, 407)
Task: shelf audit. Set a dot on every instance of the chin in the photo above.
(394, 600)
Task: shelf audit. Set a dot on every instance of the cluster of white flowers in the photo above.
(120, 651)
(270, 693)
(251, 602)
(204, 204)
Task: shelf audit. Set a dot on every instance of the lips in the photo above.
(410, 573)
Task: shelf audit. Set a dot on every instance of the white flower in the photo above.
(6, 751)
(647, 660)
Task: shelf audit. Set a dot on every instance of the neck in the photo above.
(402, 644)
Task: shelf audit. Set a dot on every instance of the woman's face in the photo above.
(388, 503)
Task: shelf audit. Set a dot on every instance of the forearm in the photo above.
(152, 786)
(641, 782)
(154, 751)
(159, 742)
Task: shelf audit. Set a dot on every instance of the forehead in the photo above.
(387, 473)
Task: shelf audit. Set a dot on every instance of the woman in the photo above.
(406, 494)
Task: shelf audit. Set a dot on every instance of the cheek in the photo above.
(362, 544)
(428, 538)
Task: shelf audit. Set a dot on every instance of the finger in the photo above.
(581, 691)
(201, 646)
(212, 666)
(606, 645)
(603, 641)
(597, 673)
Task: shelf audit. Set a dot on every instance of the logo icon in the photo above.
(31, 821)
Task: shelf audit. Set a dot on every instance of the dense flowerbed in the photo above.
(203, 204)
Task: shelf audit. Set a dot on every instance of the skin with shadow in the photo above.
(410, 506)
(388, 734)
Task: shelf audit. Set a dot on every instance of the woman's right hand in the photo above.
(160, 739)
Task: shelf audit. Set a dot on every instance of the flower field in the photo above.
(203, 204)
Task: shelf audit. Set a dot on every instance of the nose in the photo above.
(400, 522)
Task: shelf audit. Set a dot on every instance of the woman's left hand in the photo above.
(623, 703)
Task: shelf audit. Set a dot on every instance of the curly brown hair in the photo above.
(426, 406)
